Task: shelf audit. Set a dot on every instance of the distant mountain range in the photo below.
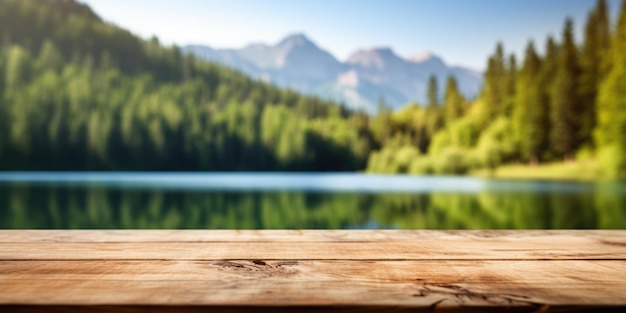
(296, 62)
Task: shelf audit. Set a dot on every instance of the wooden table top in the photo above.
(295, 271)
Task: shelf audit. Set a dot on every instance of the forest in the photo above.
(78, 93)
(566, 105)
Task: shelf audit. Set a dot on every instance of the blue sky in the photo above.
(463, 32)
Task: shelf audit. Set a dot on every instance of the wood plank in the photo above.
(541, 236)
(301, 309)
(340, 271)
(419, 250)
(315, 283)
(321, 245)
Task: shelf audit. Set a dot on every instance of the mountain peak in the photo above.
(379, 57)
(377, 52)
(296, 39)
(382, 50)
(427, 56)
(298, 54)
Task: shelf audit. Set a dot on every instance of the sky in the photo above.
(462, 32)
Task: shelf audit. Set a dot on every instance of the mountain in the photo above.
(359, 82)
(294, 62)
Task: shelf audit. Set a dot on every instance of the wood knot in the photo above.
(464, 296)
(259, 268)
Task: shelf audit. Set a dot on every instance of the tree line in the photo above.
(564, 104)
(81, 94)
(77, 93)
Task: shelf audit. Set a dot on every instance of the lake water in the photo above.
(302, 201)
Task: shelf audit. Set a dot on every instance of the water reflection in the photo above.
(26, 206)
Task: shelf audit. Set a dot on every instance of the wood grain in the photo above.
(303, 309)
(257, 282)
(343, 271)
(306, 235)
(313, 245)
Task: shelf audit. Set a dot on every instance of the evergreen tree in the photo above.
(603, 36)
(619, 42)
(595, 53)
(565, 110)
(434, 121)
(529, 113)
(548, 69)
(510, 86)
(494, 87)
(433, 92)
(454, 102)
(382, 125)
(611, 117)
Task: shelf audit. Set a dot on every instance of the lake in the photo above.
(47, 200)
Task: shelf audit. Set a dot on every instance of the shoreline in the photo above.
(582, 171)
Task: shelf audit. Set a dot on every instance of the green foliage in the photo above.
(421, 166)
(566, 107)
(496, 145)
(410, 125)
(530, 117)
(494, 90)
(612, 161)
(612, 107)
(510, 85)
(546, 81)
(611, 118)
(433, 93)
(80, 94)
(77, 93)
(611, 131)
(595, 64)
(391, 159)
(440, 142)
(453, 160)
(583, 169)
(17, 68)
(454, 103)
(463, 133)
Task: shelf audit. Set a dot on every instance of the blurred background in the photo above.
(523, 101)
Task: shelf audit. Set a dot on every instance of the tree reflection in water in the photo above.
(65, 207)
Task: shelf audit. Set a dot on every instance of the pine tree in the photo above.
(548, 69)
(611, 117)
(529, 113)
(454, 102)
(603, 32)
(509, 86)
(433, 93)
(494, 87)
(594, 65)
(565, 111)
(434, 120)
